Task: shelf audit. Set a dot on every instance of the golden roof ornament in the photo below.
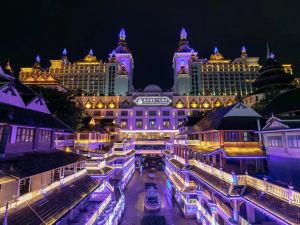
(8, 67)
(90, 57)
(217, 55)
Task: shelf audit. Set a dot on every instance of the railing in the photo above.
(286, 194)
(29, 196)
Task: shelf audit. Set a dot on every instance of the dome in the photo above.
(152, 88)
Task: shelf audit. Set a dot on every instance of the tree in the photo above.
(62, 105)
(269, 95)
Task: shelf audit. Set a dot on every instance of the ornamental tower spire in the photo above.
(37, 64)
(8, 68)
(244, 53)
(122, 34)
(184, 44)
(64, 57)
(122, 45)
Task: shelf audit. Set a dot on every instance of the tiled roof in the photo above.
(19, 116)
(53, 205)
(34, 163)
(286, 102)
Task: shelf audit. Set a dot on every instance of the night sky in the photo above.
(45, 27)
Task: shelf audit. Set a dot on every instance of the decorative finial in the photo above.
(244, 53)
(244, 49)
(91, 52)
(216, 50)
(8, 67)
(113, 53)
(37, 59)
(64, 52)
(122, 34)
(183, 33)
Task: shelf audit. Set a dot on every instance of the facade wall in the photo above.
(9, 192)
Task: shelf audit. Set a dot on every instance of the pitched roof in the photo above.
(282, 123)
(20, 116)
(286, 102)
(34, 163)
(54, 205)
(233, 117)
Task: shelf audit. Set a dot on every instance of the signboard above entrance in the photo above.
(152, 100)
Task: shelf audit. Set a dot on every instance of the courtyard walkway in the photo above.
(134, 201)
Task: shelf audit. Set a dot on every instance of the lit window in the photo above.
(218, 103)
(24, 186)
(139, 124)
(179, 104)
(123, 123)
(111, 104)
(166, 124)
(274, 141)
(152, 123)
(205, 104)
(194, 104)
(88, 105)
(24, 135)
(294, 141)
(45, 136)
(100, 105)
(231, 136)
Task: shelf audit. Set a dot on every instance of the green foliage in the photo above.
(62, 105)
(270, 94)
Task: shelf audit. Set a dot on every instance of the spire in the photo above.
(64, 52)
(216, 55)
(90, 57)
(122, 34)
(37, 59)
(37, 63)
(113, 58)
(272, 55)
(183, 33)
(216, 50)
(268, 51)
(8, 68)
(184, 44)
(122, 45)
(244, 52)
(243, 49)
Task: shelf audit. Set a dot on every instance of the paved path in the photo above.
(134, 201)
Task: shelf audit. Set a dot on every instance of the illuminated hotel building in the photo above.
(216, 75)
(92, 76)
